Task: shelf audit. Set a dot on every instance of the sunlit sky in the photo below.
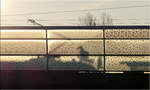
(12, 10)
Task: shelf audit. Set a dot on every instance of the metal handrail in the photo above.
(72, 27)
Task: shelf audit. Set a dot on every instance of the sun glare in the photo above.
(2, 5)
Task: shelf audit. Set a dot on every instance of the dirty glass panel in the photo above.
(75, 34)
(128, 63)
(22, 34)
(23, 63)
(22, 47)
(127, 33)
(75, 47)
(128, 47)
(76, 63)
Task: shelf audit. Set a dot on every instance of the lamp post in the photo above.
(36, 23)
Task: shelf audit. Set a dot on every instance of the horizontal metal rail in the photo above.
(71, 27)
(74, 39)
(75, 54)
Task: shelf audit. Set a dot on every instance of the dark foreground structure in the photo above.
(72, 79)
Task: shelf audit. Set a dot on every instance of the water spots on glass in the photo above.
(75, 34)
(55, 63)
(76, 63)
(128, 63)
(122, 33)
(127, 47)
(23, 63)
(69, 47)
(76, 47)
(22, 34)
(22, 47)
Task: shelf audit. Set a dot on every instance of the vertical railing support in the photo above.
(104, 50)
(47, 56)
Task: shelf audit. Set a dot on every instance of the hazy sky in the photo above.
(11, 8)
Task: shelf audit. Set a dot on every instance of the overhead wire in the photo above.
(69, 11)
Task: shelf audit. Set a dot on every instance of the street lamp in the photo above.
(36, 23)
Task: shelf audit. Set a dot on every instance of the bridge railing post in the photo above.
(104, 49)
(47, 56)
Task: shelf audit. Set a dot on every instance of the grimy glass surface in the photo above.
(22, 34)
(55, 63)
(128, 47)
(127, 33)
(76, 63)
(23, 47)
(75, 33)
(23, 63)
(128, 63)
(75, 47)
(69, 47)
